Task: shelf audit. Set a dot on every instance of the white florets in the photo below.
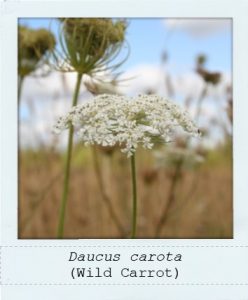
(110, 120)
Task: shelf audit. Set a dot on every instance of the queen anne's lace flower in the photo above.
(110, 120)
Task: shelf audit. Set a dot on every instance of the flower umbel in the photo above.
(89, 45)
(110, 120)
(33, 48)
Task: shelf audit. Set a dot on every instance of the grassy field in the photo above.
(198, 204)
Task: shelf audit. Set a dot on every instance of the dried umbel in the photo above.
(33, 47)
(89, 44)
(110, 120)
(201, 60)
(209, 77)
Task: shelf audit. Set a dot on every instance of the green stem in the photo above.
(20, 83)
(68, 166)
(134, 216)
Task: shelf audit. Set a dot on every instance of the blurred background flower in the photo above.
(34, 47)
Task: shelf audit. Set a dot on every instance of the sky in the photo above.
(149, 38)
(181, 39)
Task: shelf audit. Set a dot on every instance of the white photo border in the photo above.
(11, 11)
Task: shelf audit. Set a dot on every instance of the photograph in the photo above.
(125, 128)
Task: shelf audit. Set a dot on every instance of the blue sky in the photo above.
(181, 39)
(148, 38)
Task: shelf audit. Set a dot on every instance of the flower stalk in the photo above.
(68, 165)
(134, 193)
(20, 83)
(87, 46)
(171, 197)
(103, 192)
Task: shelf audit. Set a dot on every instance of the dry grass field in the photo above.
(198, 205)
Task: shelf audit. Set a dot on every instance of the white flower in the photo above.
(171, 156)
(110, 120)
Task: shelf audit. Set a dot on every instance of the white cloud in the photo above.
(142, 78)
(43, 100)
(40, 106)
(152, 77)
(199, 27)
(56, 84)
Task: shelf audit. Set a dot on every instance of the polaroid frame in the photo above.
(210, 269)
